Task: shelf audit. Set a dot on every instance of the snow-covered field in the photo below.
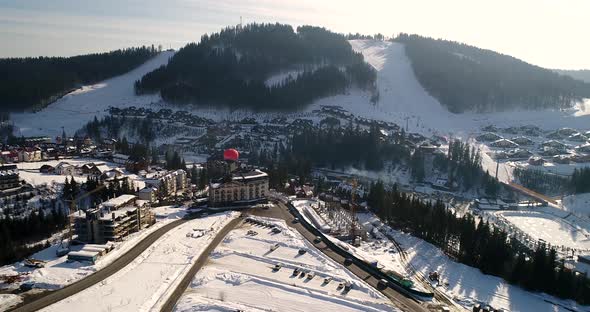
(58, 272)
(549, 228)
(240, 276)
(145, 284)
(578, 203)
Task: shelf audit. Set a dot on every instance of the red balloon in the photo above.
(231, 154)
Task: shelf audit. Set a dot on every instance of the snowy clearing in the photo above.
(550, 228)
(240, 275)
(144, 284)
(578, 203)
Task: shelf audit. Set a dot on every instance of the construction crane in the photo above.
(354, 227)
(62, 250)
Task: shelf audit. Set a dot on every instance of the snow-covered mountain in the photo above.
(75, 109)
(402, 100)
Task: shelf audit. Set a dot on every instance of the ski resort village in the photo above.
(378, 198)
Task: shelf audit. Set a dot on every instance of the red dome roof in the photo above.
(231, 154)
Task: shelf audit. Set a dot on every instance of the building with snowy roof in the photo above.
(504, 143)
(9, 177)
(240, 187)
(113, 220)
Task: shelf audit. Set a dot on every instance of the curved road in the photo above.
(54, 296)
(280, 211)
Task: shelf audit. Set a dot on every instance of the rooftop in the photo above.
(118, 201)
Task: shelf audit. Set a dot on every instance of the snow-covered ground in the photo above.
(8, 300)
(578, 203)
(58, 272)
(146, 283)
(550, 228)
(466, 285)
(78, 107)
(402, 100)
(240, 276)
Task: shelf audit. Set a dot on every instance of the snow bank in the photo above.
(8, 300)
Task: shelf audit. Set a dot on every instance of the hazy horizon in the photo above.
(544, 33)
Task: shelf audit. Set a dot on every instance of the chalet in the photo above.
(136, 165)
(490, 128)
(584, 148)
(554, 144)
(580, 158)
(504, 143)
(536, 161)
(111, 174)
(35, 141)
(9, 156)
(552, 151)
(488, 137)
(109, 144)
(120, 159)
(47, 169)
(578, 137)
(519, 153)
(521, 140)
(561, 159)
(64, 168)
(530, 130)
(567, 131)
(29, 154)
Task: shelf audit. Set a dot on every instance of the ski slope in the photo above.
(75, 109)
(402, 100)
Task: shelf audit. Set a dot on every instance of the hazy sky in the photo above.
(552, 34)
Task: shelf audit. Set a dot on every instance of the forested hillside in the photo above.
(230, 68)
(465, 78)
(583, 74)
(33, 82)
